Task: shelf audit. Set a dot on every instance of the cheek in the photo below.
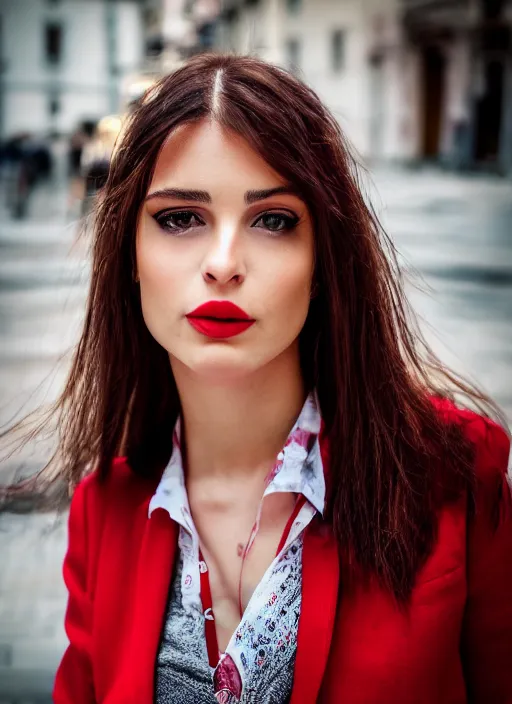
(160, 281)
(290, 289)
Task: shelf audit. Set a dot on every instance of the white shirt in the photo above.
(260, 655)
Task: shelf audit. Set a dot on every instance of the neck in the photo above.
(237, 427)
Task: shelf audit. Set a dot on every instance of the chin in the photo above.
(222, 363)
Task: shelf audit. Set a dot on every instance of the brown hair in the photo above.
(393, 459)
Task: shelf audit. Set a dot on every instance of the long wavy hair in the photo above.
(393, 460)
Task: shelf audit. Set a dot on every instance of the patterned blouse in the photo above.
(258, 663)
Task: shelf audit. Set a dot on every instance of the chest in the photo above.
(238, 546)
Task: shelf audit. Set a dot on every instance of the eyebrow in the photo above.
(181, 194)
(204, 197)
(254, 196)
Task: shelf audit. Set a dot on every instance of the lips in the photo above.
(219, 319)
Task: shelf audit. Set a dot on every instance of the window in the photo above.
(53, 105)
(338, 50)
(206, 36)
(231, 15)
(293, 55)
(293, 6)
(53, 43)
(155, 45)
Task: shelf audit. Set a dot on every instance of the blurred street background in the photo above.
(422, 88)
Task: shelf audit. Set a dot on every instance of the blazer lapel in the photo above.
(320, 580)
(154, 571)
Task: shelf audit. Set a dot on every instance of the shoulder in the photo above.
(121, 487)
(491, 447)
(491, 442)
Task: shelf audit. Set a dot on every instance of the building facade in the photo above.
(177, 29)
(408, 80)
(64, 61)
(349, 51)
(461, 54)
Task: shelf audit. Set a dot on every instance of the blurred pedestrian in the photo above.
(96, 156)
(79, 138)
(286, 504)
(11, 160)
(82, 135)
(26, 161)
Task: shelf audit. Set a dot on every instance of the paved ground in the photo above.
(457, 234)
(43, 272)
(454, 230)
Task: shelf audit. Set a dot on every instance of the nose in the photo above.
(223, 262)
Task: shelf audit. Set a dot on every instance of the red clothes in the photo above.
(452, 645)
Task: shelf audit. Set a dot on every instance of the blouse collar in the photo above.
(298, 468)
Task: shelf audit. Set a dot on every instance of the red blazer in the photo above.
(452, 645)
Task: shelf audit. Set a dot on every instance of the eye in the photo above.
(276, 222)
(178, 221)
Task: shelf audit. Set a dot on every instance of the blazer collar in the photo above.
(320, 590)
(320, 584)
(148, 603)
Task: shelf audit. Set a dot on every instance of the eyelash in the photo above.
(164, 217)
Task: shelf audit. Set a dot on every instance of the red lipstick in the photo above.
(219, 319)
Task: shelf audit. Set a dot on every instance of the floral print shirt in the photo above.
(258, 663)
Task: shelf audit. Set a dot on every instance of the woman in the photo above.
(286, 506)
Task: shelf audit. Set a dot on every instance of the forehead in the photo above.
(205, 154)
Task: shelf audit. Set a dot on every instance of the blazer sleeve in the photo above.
(487, 634)
(74, 681)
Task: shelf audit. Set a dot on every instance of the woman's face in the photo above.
(218, 224)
